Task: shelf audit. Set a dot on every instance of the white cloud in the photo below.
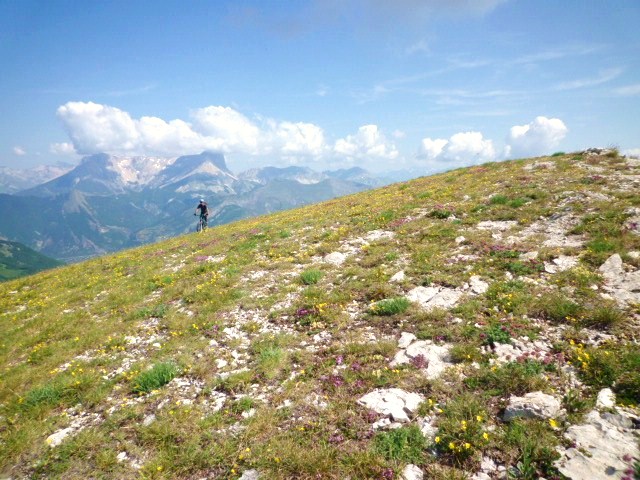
(299, 138)
(17, 150)
(461, 149)
(603, 76)
(628, 90)
(64, 148)
(537, 138)
(369, 142)
(95, 128)
(228, 129)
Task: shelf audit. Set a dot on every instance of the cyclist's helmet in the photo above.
(202, 200)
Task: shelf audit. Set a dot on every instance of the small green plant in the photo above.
(496, 333)
(533, 446)
(558, 154)
(440, 213)
(390, 306)
(159, 375)
(311, 276)
(404, 444)
(512, 378)
(498, 200)
(603, 317)
(462, 431)
(558, 308)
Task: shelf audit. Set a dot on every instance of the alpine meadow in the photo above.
(476, 324)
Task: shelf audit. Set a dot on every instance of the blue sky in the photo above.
(383, 84)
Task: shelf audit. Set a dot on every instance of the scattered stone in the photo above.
(405, 339)
(398, 277)
(459, 240)
(412, 472)
(374, 235)
(623, 286)
(428, 427)
(600, 447)
(496, 225)
(606, 399)
(335, 258)
(434, 297)
(392, 402)
(526, 257)
(148, 420)
(252, 474)
(434, 358)
(121, 457)
(533, 405)
(58, 437)
(560, 264)
(477, 285)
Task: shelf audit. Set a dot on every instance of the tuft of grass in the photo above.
(390, 306)
(512, 378)
(531, 446)
(158, 376)
(310, 276)
(558, 308)
(462, 431)
(404, 444)
(604, 317)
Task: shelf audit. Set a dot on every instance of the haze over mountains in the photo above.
(109, 202)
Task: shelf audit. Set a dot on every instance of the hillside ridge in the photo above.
(476, 324)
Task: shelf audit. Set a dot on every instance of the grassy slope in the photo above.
(77, 342)
(17, 260)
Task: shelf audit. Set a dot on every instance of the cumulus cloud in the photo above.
(63, 148)
(461, 148)
(95, 128)
(369, 142)
(17, 150)
(536, 138)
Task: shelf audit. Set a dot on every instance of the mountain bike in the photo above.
(202, 223)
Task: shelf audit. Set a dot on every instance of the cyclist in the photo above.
(204, 212)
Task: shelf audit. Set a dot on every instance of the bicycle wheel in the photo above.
(199, 226)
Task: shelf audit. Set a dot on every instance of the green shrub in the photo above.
(159, 375)
(390, 306)
(404, 444)
(311, 276)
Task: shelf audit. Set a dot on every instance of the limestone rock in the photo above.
(606, 399)
(335, 258)
(478, 286)
(405, 339)
(412, 472)
(58, 437)
(533, 405)
(600, 445)
(434, 297)
(398, 277)
(560, 264)
(250, 475)
(436, 357)
(392, 402)
(623, 286)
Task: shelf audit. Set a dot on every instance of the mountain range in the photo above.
(109, 202)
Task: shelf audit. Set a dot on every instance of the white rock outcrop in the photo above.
(533, 405)
(600, 447)
(395, 403)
